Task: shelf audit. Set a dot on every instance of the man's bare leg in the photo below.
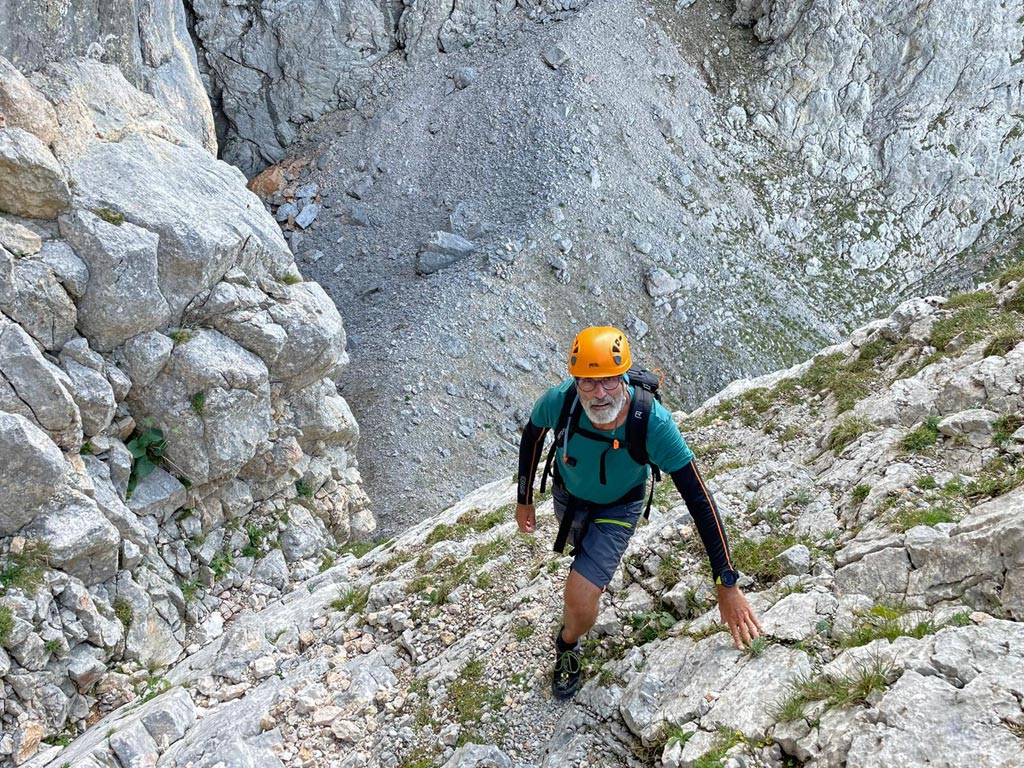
(581, 607)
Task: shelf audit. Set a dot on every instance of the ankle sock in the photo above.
(562, 645)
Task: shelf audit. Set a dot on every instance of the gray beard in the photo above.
(598, 418)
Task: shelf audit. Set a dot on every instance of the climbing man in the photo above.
(599, 486)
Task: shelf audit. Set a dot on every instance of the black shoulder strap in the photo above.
(636, 436)
(636, 425)
(560, 426)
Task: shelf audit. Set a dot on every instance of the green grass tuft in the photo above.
(835, 691)
(123, 611)
(351, 598)
(24, 571)
(848, 430)
(903, 520)
(6, 623)
(921, 438)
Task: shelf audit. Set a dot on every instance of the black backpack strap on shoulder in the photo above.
(568, 404)
(636, 436)
(636, 425)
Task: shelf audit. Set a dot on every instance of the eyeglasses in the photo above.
(608, 384)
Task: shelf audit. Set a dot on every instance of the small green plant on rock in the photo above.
(860, 492)
(523, 631)
(147, 449)
(180, 336)
(25, 569)
(838, 691)
(304, 489)
(921, 438)
(123, 612)
(848, 430)
(1005, 426)
(902, 520)
(221, 563)
(652, 625)
(198, 403)
(471, 695)
(6, 623)
(110, 216)
(152, 687)
(351, 598)
(885, 622)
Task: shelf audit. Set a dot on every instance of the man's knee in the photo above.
(581, 592)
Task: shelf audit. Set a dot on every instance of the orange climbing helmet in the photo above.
(599, 351)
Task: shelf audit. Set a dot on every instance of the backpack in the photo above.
(645, 392)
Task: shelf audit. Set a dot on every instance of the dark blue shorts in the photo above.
(605, 539)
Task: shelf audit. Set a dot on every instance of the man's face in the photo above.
(602, 399)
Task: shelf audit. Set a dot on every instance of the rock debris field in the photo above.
(874, 497)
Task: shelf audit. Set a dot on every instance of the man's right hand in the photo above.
(526, 517)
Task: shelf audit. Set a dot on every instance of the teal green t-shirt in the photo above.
(665, 447)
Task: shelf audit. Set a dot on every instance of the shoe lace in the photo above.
(569, 663)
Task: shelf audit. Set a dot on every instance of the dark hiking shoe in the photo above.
(568, 675)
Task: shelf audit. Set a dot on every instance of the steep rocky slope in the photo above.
(875, 502)
(736, 183)
(733, 196)
(167, 406)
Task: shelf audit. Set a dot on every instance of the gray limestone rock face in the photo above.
(205, 219)
(143, 356)
(470, 21)
(981, 560)
(240, 646)
(102, 629)
(678, 675)
(795, 560)
(315, 345)
(149, 637)
(976, 425)
(82, 542)
(122, 297)
(23, 107)
(212, 400)
(149, 41)
(33, 298)
(295, 329)
(323, 416)
(93, 395)
(796, 617)
(279, 65)
(35, 388)
(169, 716)
(933, 99)
(304, 536)
(478, 756)
(959, 722)
(109, 501)
(134, 746)
(881, 574)
(272, 569)
(31, 468)
(31, 181)
(18, 239)
(70, 270)
(85, 666)
(159, 494)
